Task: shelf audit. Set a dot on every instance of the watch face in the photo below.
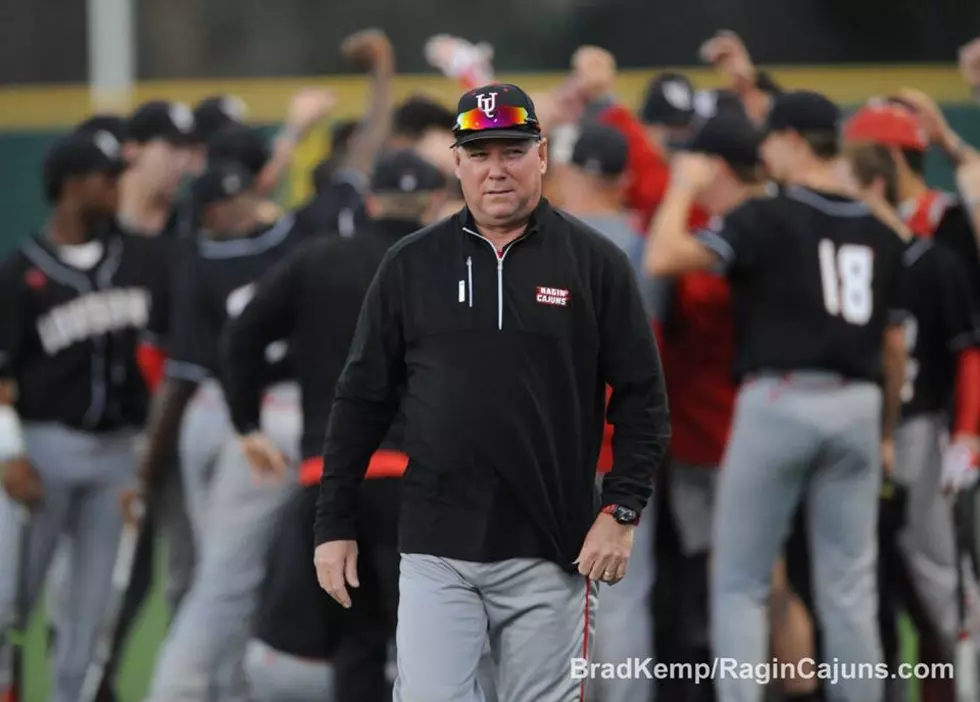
(625, 516)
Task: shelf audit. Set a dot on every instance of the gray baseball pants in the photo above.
(813, 437)
(537, 618)
(926, 541)
(213, 625)
(83, 475)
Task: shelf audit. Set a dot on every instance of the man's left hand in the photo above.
(606, 550)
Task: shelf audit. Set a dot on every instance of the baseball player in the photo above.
(157, 147)
(816, 283)
(928, 212)
(337, 206)
(592, 186)
(216, 283)
(74, 298)
(695, 321)
(58, 587)
(504, 324)
(306, 108)
(313, 300)
(943, 371)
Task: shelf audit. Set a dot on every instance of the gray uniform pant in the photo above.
(83, 475)
(177, 514)
(538, 619)
(807, 436)
(212, 627)
(927, 539)
(275, 676)
(205, 430)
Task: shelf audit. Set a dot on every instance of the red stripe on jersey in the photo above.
(967, 420)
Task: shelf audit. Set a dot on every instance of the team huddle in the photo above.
(426, 437)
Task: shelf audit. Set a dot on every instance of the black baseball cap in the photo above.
(669, 101)
(220, 181)
(496, 111)
(241, 144)
(158, 119)
(600, 150)
(80, 154)
(803, 111)
(404, 171)
(216, 112)
(116, 125)
(730, 135)
(708, 103)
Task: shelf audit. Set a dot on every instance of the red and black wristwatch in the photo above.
(622, 515)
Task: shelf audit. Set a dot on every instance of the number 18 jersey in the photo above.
(815, 280)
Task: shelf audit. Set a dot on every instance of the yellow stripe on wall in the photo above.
(56, 107)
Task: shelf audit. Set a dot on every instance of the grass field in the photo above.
(138, 662)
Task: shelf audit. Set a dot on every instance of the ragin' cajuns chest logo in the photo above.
(557, 297)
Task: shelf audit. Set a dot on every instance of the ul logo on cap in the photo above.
(487, 102)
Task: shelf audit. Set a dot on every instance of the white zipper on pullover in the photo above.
(500, 273)
(469, 276)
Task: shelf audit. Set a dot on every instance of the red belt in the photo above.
(392, 464)
(383, 464)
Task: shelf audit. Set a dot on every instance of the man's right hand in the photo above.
(370, 47)
(22, 482)
(727, 53)
(336, 567)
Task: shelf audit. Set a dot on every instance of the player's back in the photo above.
(818, 287)
(217, 279)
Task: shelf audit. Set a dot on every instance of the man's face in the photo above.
(98, 195)
(163, 165)
(101, 192)
(779, 151)
(223, 219)
(501, 178)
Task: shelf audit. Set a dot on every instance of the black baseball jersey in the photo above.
(941, 323)
(214, 281)
(815, 279)
(337, 209)
(312, 299)
(166, 246)
(943, 218)
(68, 335)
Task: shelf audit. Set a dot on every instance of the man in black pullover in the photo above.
(312, 300)
(496, 332)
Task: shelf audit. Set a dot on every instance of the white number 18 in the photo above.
(845, 275)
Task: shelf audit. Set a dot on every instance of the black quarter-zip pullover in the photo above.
(499, 362)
